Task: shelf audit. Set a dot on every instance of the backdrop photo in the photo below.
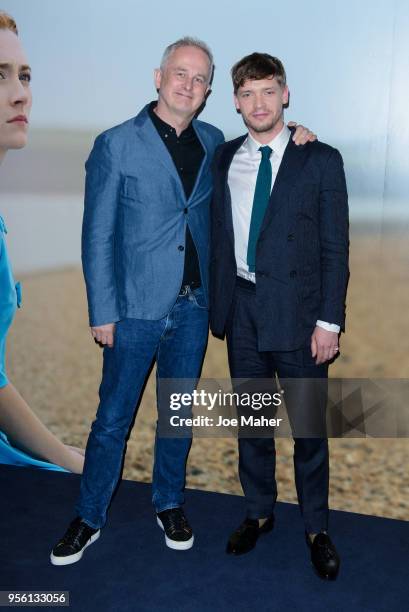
(92, 65)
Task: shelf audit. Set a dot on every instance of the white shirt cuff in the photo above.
(332, 327)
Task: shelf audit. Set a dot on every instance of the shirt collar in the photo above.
(164, 128)
(278, 143)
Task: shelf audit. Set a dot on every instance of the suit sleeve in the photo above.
(334, 237)
(98, 233)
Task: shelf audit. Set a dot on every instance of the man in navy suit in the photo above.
(278, 279)
(145, 250)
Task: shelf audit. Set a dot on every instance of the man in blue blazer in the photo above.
(278, 279)
(145, 250)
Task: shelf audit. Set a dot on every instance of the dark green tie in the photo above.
(260, 202)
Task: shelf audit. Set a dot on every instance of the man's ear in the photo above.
(236, 104)
(157, 75)
(286, 96)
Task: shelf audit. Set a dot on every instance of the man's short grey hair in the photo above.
(188, 41)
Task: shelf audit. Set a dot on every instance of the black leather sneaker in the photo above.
(70, 548)
(178, 532)
(324, 556)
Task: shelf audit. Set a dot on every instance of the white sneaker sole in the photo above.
(184, 545)
(77, 556)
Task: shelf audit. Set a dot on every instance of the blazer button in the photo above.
(290, 237)
(185, 211)
(181, 248)
(293, 273)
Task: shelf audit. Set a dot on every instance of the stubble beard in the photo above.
(260, 129)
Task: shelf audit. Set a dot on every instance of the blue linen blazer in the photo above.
(134, 224)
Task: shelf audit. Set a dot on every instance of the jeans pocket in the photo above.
(198, 298)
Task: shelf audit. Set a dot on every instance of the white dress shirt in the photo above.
(242, 179)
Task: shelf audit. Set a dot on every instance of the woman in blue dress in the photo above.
(24, 440)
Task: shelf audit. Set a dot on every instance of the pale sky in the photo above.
(93, 61)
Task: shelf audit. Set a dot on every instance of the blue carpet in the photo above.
(130, 569)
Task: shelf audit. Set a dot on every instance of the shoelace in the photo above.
(74, 533)
(177, 522)
(327, 551)
(244, 526)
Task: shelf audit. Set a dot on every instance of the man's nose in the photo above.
(189, 83)
(258, 101)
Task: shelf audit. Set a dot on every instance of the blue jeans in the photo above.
(178, 343)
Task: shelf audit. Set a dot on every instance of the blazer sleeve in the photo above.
(98, 232)
(334, 239)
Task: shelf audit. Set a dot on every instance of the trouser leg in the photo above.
(179, 357)
(125, 368)
(306, 400)
(257, 457)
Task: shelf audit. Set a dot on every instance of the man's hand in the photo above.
(302, 134)
(324, 345)
(104, 334)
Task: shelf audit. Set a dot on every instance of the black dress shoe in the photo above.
(324, 556)
(245, 537)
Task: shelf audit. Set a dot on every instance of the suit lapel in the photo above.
(225, 161)
(202, 136)
(293, 160)
(154, 146)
